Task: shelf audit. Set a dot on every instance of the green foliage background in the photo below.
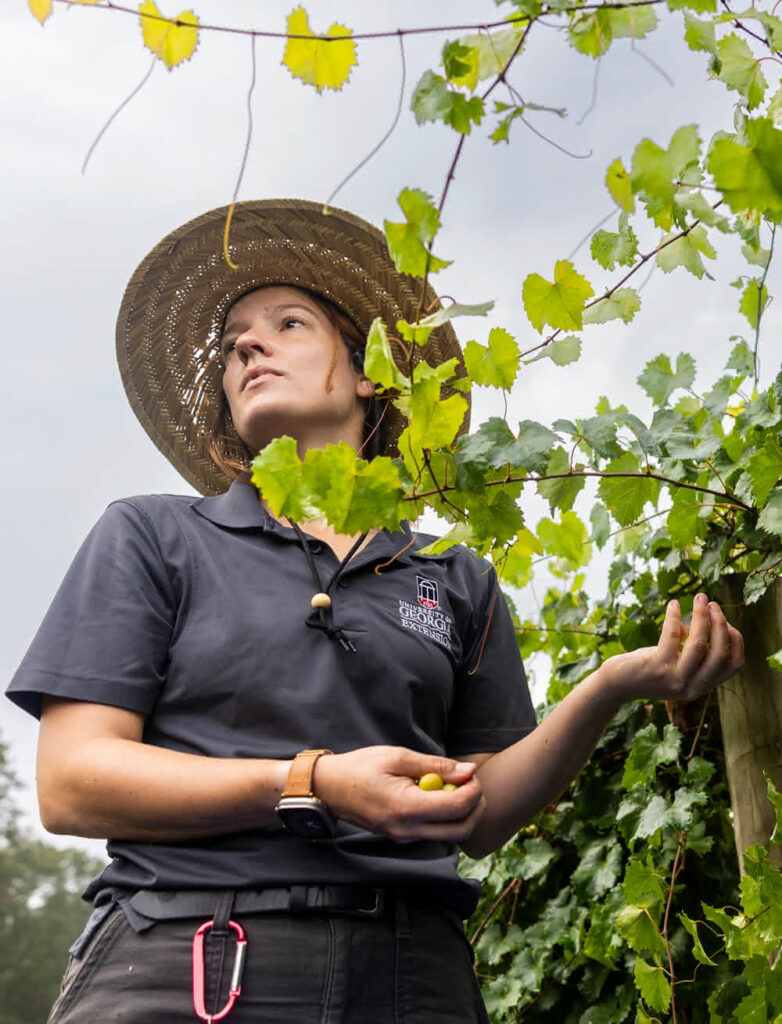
(41, 911)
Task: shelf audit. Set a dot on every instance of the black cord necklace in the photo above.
(322, 616)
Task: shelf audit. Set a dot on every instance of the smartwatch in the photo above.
(301, 813)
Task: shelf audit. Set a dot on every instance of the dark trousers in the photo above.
(410, 965)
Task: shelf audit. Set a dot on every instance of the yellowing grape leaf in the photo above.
(172, 40)
(41, 9)
(618, 184)
(314, 60)
(560, 302)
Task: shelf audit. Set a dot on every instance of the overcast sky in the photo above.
(71, 241)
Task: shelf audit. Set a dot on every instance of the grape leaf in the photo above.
(774, 108)
(559, 303)
(623, 304)
(699, 35)
(434, 423)
(698, 951)
(562, 491)
(598, 869)
(172, 41)
(657, 173)
(276, 472)
(770, 519)
(590, 32)
(434, 100)
(642, 886)
(601, 524)
(659, 380)
(633, 21)
(639, 930)
(618, 184)
(750, 177)
(610, 247)
(701, 6)
(325, 65)
(379, 364)
(407, 242)
(488, 52)
(538, 855)
(653, 984)
(765, 469)
(567, 539)
(775, 796)
(739, 69)
(376, 498)
(517, 560)
(41, 9)
(684, 523)
(532, 449)
(648, 751)
(753, 1008)
(626, 496)
(685, 252)
(560, 351)
(702, 210)
(495, 365)
(756, 255)
(496, 521)
(454, 309)
(754, 300)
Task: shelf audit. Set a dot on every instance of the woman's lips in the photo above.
(259, 377)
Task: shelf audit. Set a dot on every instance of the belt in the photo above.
(352, 900)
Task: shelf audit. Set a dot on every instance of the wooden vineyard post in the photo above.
(751, 714)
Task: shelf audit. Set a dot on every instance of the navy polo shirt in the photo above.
(192, 611)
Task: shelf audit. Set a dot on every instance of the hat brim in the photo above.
(175, 304)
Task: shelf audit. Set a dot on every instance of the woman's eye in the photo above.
(293, 321)
(228, 348)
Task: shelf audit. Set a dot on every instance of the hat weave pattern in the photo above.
(171, 316)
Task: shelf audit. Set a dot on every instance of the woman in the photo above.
(203, 659)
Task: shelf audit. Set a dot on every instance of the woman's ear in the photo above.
(364, 387)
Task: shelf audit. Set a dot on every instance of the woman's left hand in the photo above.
(683, 665)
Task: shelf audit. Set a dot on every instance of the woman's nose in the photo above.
(250, 343)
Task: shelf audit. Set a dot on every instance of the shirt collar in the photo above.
(238, 508)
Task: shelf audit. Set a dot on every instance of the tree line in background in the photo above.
(41, 910)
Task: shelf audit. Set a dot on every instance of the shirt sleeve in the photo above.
(106, 636)
(492, 705)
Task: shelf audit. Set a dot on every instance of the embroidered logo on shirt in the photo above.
(428, 595)
(426, 617)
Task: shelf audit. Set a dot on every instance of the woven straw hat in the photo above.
(174, 306)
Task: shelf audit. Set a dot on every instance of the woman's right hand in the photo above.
(375, 788)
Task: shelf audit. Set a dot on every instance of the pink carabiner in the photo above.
(235, 989)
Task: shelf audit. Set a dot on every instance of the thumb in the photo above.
(450, 770)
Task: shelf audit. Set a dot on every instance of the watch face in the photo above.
(306, 817)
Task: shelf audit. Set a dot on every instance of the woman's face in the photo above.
(278, 347)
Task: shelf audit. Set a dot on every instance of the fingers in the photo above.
(713, 651)
(672, 632)
(696, 646)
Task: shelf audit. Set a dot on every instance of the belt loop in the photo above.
(223, 910)
(298, 899)
(402, 913)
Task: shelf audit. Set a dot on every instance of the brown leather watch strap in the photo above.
(299, 781)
